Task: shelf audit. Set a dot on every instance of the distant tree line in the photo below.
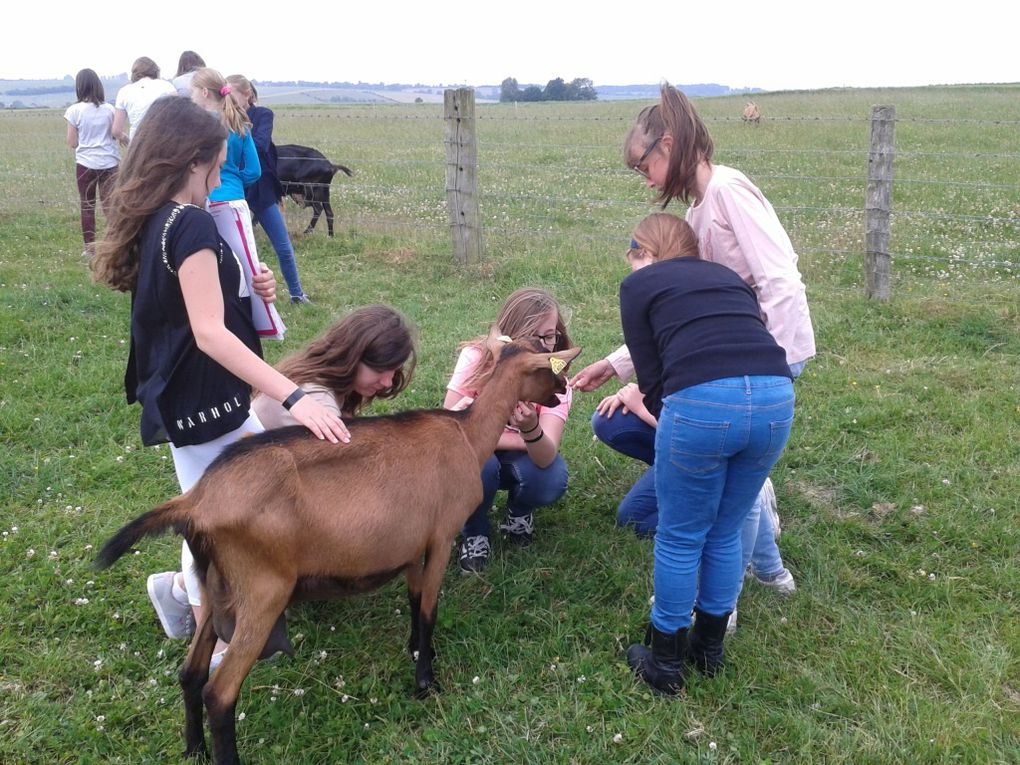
(41, 91)
(580, 89)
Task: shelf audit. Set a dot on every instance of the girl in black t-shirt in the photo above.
(195, 353)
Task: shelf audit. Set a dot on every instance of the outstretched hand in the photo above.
(592, 376)
(321, 421)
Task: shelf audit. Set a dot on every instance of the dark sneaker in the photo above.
(519, 529)
(474, 555)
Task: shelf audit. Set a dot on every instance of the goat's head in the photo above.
(543, 373)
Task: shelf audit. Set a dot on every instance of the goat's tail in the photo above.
(174, 513)
(343, 169)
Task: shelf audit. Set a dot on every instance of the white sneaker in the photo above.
(783, 583)
(770, 506)
(731, 623)
(176, 617)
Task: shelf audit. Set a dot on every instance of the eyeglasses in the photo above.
(636, 167)
(551, 338)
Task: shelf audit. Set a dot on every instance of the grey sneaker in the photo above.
(519, 529)
(770, 506)
(300, 300)
(474, 554)
(782, 583)
(176, 617)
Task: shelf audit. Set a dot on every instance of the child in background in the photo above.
(96, 151)
(527, 462)
(264, 195)
(227, 204)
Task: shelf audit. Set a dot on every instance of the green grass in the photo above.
(897, 492)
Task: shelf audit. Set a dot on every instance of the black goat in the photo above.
(306, 175)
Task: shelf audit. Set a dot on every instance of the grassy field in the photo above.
(898, 492)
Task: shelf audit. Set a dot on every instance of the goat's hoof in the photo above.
(197, 752)
(425, 690)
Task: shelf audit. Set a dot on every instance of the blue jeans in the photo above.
(528, 487)
(271, 220)
(715, 445)
(630, 435)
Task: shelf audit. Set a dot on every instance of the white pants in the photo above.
(190, 463)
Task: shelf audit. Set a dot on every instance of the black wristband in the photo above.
(293, 398)
(532, 430)
(536, 438)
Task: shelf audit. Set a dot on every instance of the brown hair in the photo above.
(673, 115)
(234, 117)
(175, 135)
(144, 67)
(88, 87)
(665, 236)
(189, 62)
(519, 318)
(376, 336)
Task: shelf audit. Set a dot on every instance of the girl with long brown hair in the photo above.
(368, 354)
(195, 353)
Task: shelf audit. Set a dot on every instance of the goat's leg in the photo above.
(192, 677)
(413, 574)
(316, 212)
(329, 216)
(256, 615)
(436, 559)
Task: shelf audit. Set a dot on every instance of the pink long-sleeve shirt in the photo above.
(738, 228)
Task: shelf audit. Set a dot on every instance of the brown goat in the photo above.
(752, 114)
(282, 516)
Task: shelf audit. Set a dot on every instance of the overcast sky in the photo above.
(783, 44)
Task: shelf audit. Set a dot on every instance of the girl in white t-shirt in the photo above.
(527, 462)
(96, 152)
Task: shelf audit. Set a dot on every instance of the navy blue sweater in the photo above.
(688, 321)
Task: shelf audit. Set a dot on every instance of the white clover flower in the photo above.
(344, 699)
(81, 601)
(712, 746)
(241, 716)
(101, 718)
(617, 738)
(299, 691)
(476, 680)
(30, 553)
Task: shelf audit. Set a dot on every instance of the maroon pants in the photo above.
(88, 182)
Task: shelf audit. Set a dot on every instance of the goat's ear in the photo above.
(496, 341)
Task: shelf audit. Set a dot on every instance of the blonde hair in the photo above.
(665, 236)
(242, 86)
(519, 318)
(234, 118)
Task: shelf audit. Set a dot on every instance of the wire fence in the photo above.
(557, 175)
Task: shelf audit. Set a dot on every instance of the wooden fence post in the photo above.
(878, 202)
(462, 174)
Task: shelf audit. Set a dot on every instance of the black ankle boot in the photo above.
(661, 666)
(705, 648)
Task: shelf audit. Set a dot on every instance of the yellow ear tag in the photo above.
(505, 339)
(557, 365)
